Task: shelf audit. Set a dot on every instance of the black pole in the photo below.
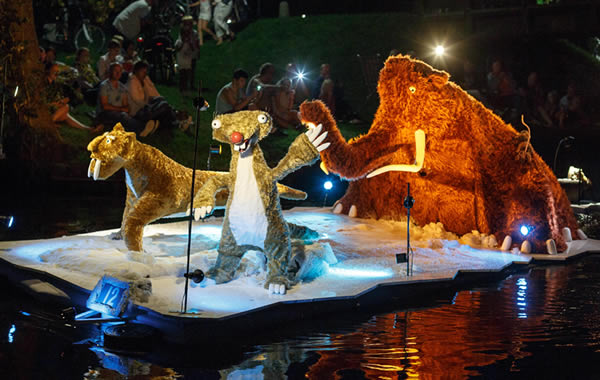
(408, 232)
(199, 104)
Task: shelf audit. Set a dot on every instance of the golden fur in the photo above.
(475, 175)
(156, 185)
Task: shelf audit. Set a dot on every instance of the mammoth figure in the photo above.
(467, 168)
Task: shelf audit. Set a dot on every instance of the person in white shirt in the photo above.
(112, 56)
(130, 20)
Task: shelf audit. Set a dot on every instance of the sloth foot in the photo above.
(526, 247)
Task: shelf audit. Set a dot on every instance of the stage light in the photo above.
(11, 334)
(300, 75)
(360, 273)
(327, 185)
(439, 50)
(303, 15)
(7, 220)
(524, 230)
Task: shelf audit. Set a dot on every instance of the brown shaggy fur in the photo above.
(475, 175)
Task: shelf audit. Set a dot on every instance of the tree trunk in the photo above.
(20, 66)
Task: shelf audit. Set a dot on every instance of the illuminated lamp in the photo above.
(439, 50)
(327, 185)
(7, 220)
(524, 230)
(300, 75)
(303, 15)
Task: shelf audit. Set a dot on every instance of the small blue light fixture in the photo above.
(524, 230)
(327, 185)
(7, 220)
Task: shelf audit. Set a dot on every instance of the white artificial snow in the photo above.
(351, 256)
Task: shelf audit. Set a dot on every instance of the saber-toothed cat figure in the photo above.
(253, 218)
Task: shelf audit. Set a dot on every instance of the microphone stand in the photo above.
(201, 105)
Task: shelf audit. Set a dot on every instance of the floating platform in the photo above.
(352, 265)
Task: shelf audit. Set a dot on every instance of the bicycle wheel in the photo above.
(91, 37)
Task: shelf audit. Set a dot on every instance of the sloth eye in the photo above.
(262, 118)
(216, 124)
(108, 140)
(412, 89)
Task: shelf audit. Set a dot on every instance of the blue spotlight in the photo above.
(524, 230)
(327, 185)
(7, 220)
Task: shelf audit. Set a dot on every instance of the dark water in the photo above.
(540, 324)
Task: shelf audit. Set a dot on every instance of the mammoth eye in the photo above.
(216, 124)
(262, 118)
(412, 89)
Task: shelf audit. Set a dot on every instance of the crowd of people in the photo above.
(280, 98)
(541, 104)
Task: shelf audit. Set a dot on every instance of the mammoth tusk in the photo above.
(97, 169)
(419, 158)
(90, 167)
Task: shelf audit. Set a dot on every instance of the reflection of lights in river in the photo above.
(522, 297)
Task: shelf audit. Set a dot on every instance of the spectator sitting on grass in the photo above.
(58, 104)
(145, 103)
(113, 104)
(231, 98)
(112, 56)
(571, 109)
(282, 110)
(130, 56)
(261, 85)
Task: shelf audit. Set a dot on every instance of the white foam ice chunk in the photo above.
(253, 263)
(141, 257)
(318, 257)
(337, 209)
(478, 239)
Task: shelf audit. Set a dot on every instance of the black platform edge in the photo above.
(182, 329)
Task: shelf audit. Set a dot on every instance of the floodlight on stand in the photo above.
(196, 276)
(300, 75)
(409, 202)
(566, 141)
(524, 230)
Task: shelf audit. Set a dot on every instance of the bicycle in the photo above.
(66, 24)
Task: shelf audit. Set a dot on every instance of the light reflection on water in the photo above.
(541, 324)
